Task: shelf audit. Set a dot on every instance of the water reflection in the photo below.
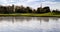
(22, 19)
(29, 24)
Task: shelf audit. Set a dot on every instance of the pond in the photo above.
(29, 24)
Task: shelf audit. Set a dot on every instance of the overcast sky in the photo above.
(53, 4)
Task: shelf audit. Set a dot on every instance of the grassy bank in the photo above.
(32, 14)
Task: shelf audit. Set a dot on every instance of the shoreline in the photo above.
(27, 16)
(30, 15)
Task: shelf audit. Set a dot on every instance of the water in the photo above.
(29, 24)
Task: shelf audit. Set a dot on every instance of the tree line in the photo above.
(22, 9)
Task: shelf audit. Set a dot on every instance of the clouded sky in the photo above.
(53, 4)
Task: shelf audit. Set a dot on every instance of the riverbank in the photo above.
(32, 15)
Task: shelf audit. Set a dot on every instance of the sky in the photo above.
(53, 4)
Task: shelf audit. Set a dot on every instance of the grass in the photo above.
(33, 14)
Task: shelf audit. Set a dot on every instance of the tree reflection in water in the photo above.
(21, 19)
(30, 24)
